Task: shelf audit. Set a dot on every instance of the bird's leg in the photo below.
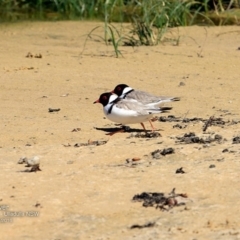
(153, 128)
(143, 127)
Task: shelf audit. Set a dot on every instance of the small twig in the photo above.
(208, 123)
(53, 109)
(185, 116)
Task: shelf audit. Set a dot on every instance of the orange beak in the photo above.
(97, 101)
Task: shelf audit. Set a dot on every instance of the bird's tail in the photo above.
(165, 109)
(169, 99)
(159, 110)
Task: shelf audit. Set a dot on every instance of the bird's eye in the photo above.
(119, 88)
(104, 98)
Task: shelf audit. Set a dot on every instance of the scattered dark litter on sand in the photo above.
(157, 153)
(179, 126)
(154, 134)
(130, 160)
(150, 224)
(169, 118)
(181, 84)
(76, 130)
(212, 121)
(30, 55)
(191, 137)
(236, 140)
(37, 205)
(208, 123)
(225, 150)
(54, 109)
(91, 143)
(212, 166)
(160, 200)
(180, 170)
(67, 145)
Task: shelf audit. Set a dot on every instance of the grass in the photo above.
(172, 12)
(150, 19)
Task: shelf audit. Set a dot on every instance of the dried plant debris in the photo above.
(130, 160)
(170, 118)
(208, 123)
(67, 145)
(225, 150)
(180, 170)
(30, 55)
(76, 130)
(146, 225)
(54, 109)
(91, 143)
(133, 162)
(191, 137)
(33, 162)
(180, 126)
(236, 140)
(161, 200)
(212, 121)
(157, 153)
(212, 166)
(151, 134)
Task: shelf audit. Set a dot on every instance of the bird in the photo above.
(126, 111)
(125, 92)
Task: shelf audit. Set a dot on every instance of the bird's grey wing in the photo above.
(133, 106)
(146, 98)
(143, 97)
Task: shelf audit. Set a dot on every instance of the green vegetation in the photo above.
(158, 12)
(149, 19)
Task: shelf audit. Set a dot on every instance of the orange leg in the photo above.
(153, 128)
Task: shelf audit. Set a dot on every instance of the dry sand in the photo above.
(86, 192)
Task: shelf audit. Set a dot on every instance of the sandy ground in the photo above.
(86, 192)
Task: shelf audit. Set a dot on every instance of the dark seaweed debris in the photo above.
(212, 121)
(91, 143)
(150, 224)
(180, 170)
(236, 140)
(191, 137)
(54, 109)
(156, 154)
(151, 134)
(160, 200)
(179, 126)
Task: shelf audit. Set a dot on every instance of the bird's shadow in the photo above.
(123, 128)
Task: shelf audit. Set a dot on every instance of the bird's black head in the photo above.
(104, 98)
(119, 89)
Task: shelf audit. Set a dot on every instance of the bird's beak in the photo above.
(97, 101)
